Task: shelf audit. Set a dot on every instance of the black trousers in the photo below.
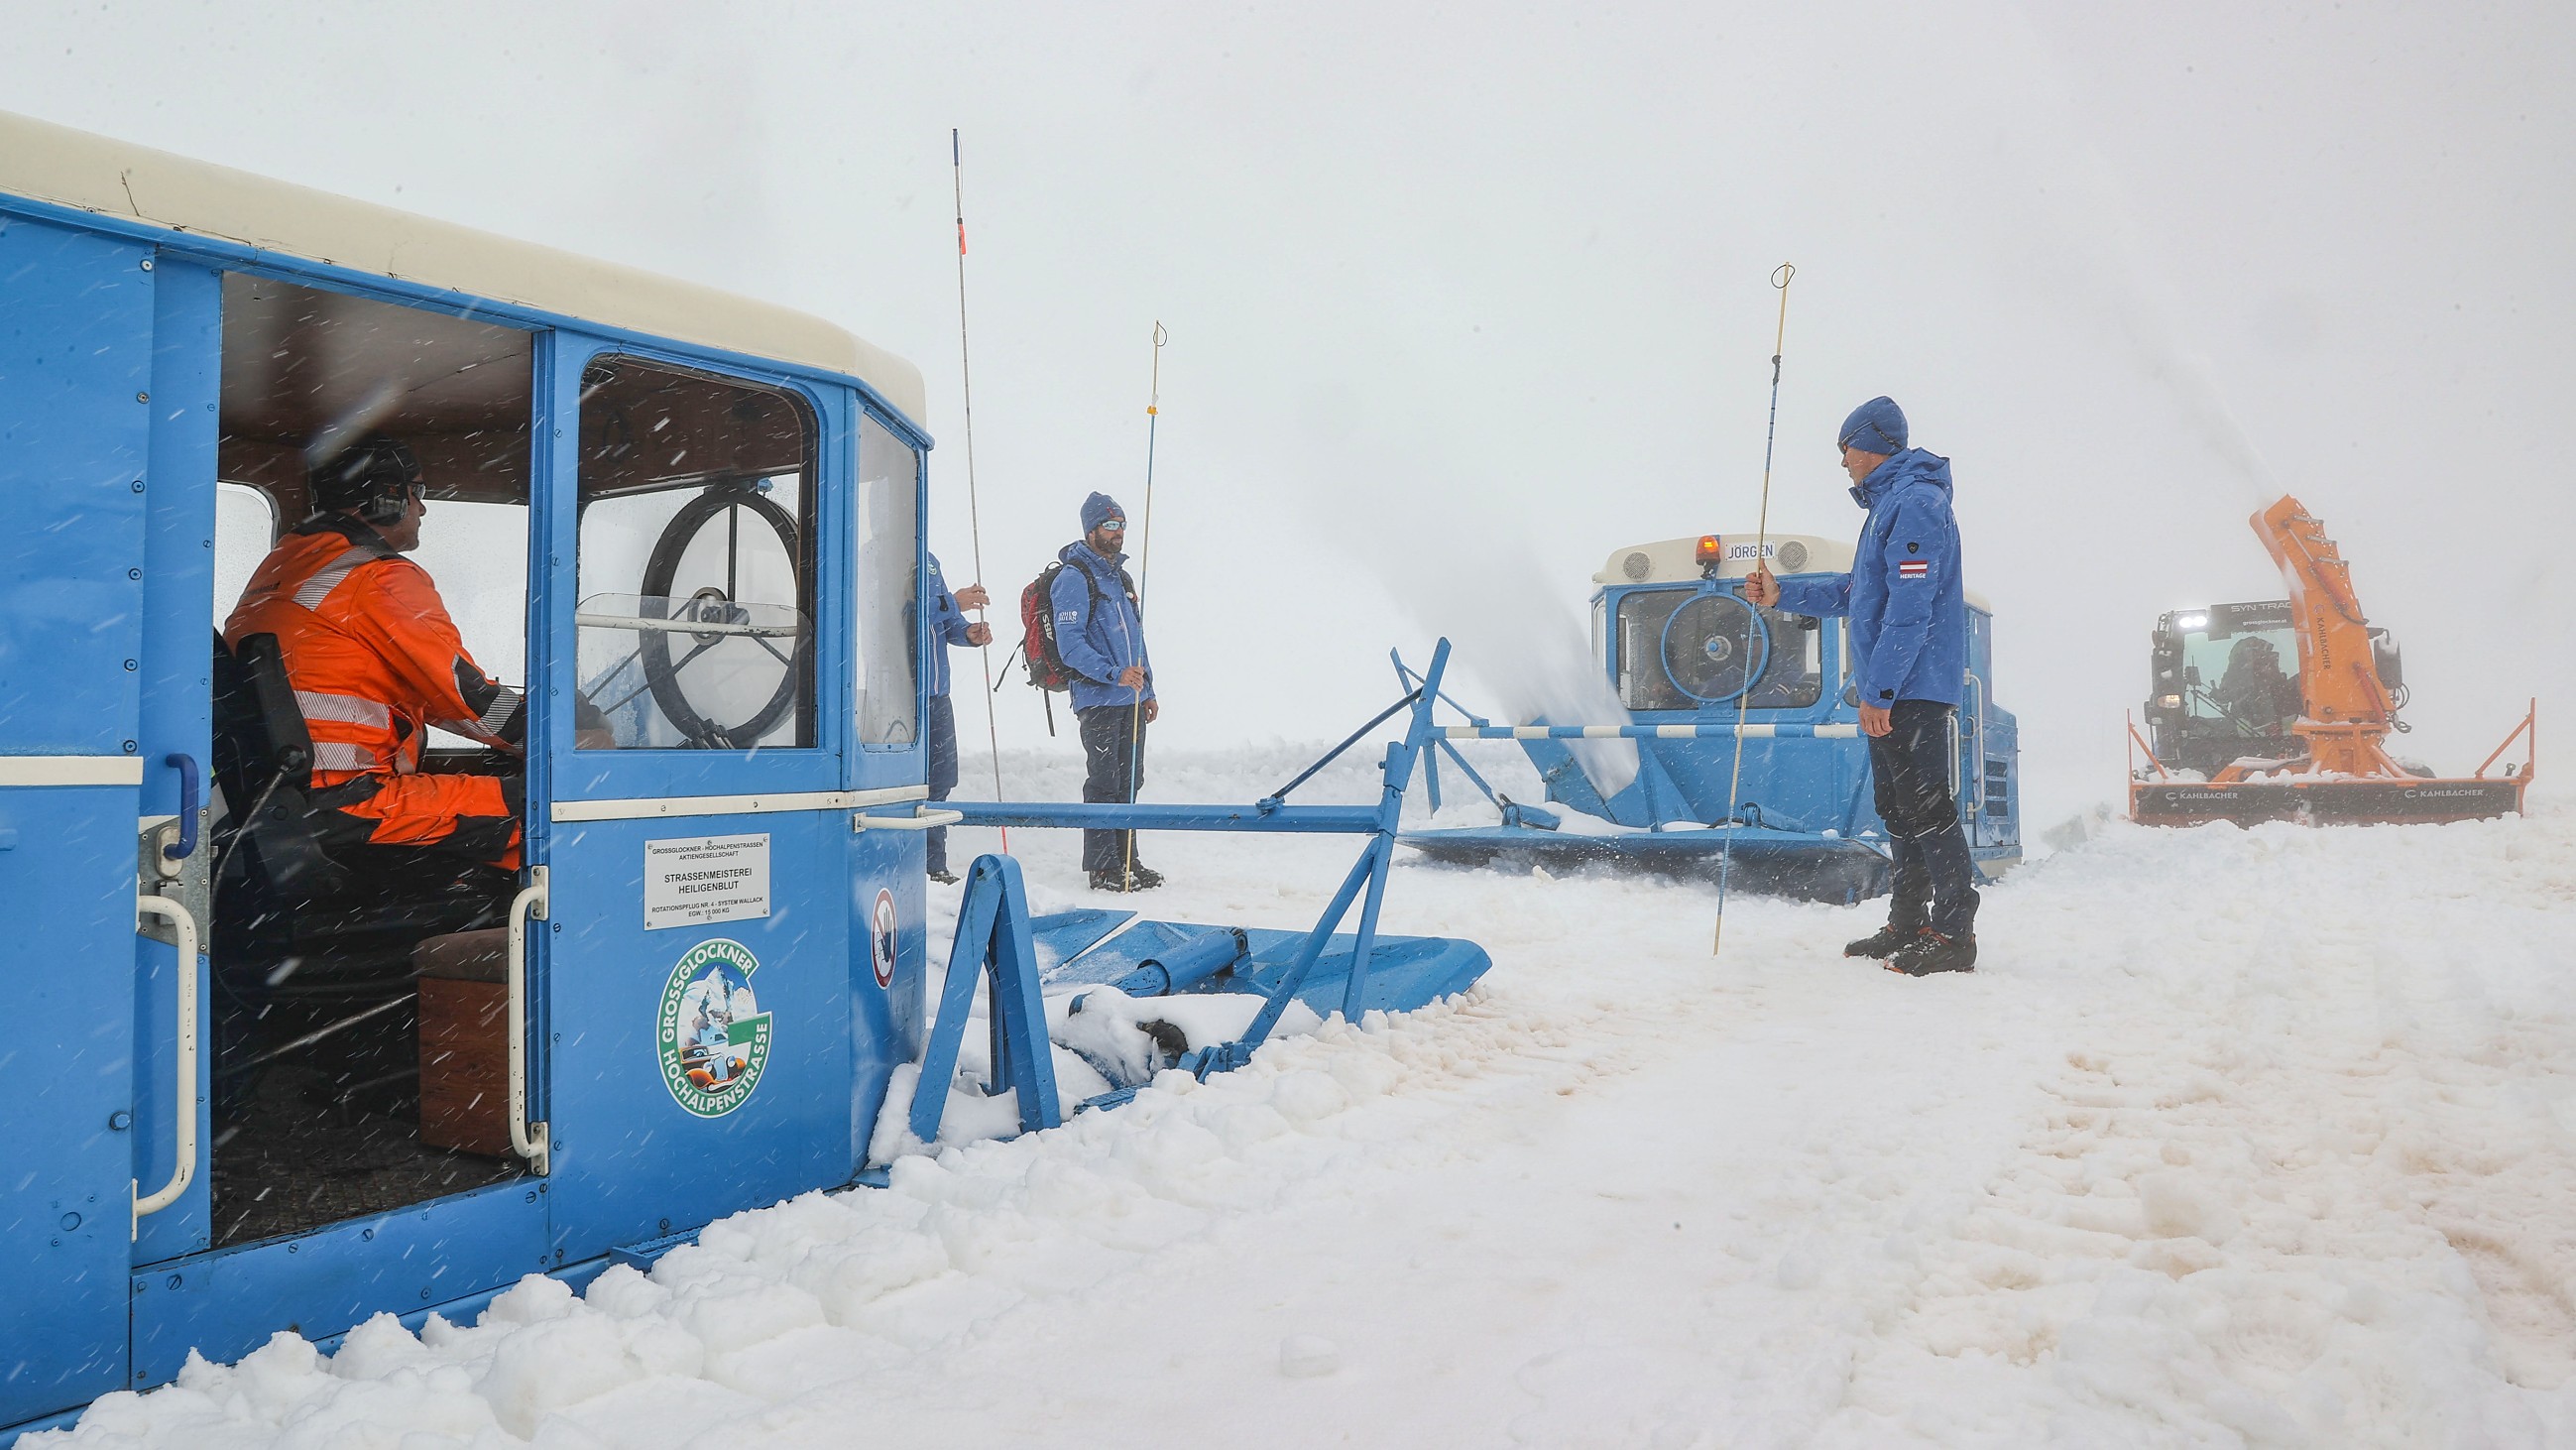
(1113, 753)
(942, 738)
(1909, 766)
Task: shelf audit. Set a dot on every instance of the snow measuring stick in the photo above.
(974, 518)
(1144, 568)
(1780, 279)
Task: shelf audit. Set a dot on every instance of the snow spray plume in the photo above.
(974, 515)
(1513, 623)
(1507, 618)
(2103, 223)
(1780, 278)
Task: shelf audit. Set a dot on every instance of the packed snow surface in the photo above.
(2235, 1137)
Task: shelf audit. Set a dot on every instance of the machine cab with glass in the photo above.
(505, 872)
(2226, 685)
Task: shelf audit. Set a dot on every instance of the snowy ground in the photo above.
(2234, 1138)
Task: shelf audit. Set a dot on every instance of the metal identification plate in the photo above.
(704, 879)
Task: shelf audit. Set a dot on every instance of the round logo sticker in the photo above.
(714, 1038)
(881, 937)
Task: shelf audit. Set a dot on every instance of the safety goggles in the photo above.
(1112, 526)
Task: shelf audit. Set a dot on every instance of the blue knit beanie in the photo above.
(1877, 426)
(1101, 506)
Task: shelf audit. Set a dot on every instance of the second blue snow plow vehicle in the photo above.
(1691, 660)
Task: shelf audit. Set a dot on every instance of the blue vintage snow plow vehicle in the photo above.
(1699, 670)
(260, 1076)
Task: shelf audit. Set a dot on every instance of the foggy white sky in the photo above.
(1475, 288)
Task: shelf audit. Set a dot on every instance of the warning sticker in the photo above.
(881, 937)
(705, 879)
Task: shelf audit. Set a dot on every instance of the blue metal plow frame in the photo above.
(1015, 956)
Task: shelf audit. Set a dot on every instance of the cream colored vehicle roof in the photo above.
(1676, 561)
(52, 163)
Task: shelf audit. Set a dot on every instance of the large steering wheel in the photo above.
(665, 653)
(1715, 648)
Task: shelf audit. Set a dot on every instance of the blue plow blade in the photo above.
(1405, 972)
(1767, 859)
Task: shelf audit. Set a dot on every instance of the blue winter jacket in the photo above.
(947, 626)
(1908, 610)
(1097, 629)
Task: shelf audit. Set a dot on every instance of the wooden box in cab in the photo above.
(464, 1042)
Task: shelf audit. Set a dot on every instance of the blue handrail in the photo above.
(190, 802)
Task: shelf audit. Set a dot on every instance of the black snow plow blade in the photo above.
(2324, 802)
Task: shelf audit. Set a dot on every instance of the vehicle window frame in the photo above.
(1614, 644)
(916, 633)
(2217, 647)
(815, 567)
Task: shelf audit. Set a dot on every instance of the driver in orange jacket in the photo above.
(375, 661)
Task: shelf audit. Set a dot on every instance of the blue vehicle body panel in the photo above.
(175, 710)
(228, 1303)
(66, 1069)
(76, 327)
(629, 1161)
(76, 320)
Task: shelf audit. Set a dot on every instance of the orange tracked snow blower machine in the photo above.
(2237, 739)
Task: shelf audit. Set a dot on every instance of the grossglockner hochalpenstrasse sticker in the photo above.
(714, 1039)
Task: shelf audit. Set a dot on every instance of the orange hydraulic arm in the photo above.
(2347, 710)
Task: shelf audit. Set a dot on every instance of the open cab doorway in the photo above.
(356, 1023)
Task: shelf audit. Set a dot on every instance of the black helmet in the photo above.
(375, 475)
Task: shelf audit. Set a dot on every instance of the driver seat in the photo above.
(305, 933)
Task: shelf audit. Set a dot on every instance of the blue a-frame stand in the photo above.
(994, 946)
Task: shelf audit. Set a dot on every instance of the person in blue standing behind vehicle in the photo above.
(1909, 648)
(1100, 635)
(948, 626)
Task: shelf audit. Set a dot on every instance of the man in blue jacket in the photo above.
(948, 626)
(1100, 636)
(1909, 648)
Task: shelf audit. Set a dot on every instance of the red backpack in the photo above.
(1047, 669)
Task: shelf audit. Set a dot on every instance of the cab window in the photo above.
(889, 532)
(1682, 649)
(2241, 683)
(696, 577)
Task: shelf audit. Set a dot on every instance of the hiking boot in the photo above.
(1931, 952)
(1883, 943)
(1146, 877)
(1114, 879)
(944, 878)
